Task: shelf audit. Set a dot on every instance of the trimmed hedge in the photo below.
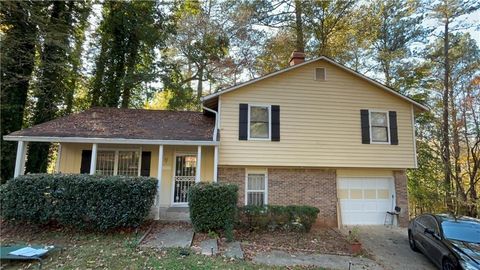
(213, 206)
(273, 217)
(91, 202)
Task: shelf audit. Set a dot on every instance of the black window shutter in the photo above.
(275, 123)
(243, 122)
(392, 116)
(145, 166)
(365, 126)
(86, 158)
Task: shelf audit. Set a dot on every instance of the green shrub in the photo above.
(91, 202)
(273, 217)
(213, 206)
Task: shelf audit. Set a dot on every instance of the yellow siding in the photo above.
(72, 155)
(319, 122)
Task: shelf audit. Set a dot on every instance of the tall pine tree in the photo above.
(17, 58)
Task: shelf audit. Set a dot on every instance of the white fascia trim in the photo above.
(105, 140)
(414, 138)
(311, 61)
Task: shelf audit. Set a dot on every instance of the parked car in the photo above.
(449, 242)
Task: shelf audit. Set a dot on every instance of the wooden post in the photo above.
(215, 164)
(93, 161)
(20, 159)
(199, 164)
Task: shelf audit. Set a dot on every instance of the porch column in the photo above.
(159, 172)
(59, 156)
(20, 160)
(93, 161)
(199, 164)
(215, 164)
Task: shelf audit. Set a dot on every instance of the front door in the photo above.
(184, 178)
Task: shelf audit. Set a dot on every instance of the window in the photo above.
(256, 189)
(106, 162)
(259, 121)
(320, 74)
(379, 129)
(429, 222)
(118, 162)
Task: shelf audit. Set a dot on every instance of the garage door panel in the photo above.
(364, 201)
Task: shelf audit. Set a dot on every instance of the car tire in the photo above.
(411, 242)
(448, 264)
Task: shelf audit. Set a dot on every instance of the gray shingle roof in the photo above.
(127, 124)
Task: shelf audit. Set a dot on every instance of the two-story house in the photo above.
(315, 133)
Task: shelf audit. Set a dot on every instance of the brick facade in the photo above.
(400, 179)
(315, 187)
(234, 176)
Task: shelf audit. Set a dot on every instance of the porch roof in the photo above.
(104, 125)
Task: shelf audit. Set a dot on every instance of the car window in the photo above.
(429, 222)
(461, 231)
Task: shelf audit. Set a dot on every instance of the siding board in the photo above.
(320, 122)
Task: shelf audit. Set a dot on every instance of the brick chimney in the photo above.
(296, 58)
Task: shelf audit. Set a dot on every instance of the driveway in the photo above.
(390, 248)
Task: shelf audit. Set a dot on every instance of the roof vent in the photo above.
(320, 74)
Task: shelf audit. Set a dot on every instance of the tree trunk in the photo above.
(445, 123)
(200, 84)
(457, 172)
(300, 44)
(17, 58)
(50, 83)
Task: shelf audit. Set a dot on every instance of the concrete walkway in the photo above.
(281, 258)
(390, 248)
(171, 237)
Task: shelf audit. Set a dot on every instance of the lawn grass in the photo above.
(81, 250)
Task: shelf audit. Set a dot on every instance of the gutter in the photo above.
(105, 140)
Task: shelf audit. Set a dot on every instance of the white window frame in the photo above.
(370, 126)
(269, 107)
(117, 150)
(256, 171)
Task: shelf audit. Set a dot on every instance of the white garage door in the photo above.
(364, 201)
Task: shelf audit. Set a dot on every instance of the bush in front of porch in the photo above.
(213, 207)
(92, 202)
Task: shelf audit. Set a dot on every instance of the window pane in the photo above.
(186, 165)
(379, 134)
(128, 163)
(105, 162)
(256, 182)
(259, 114)
(259, 130)
(379, 119)
(255, 198)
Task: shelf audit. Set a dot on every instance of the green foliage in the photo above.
(18, 40)
(273, 217)
(212, 206)
(82, 201)
(130, 32)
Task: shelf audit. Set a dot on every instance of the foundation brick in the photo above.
(401, 192)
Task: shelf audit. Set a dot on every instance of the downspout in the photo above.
(216, 121)
(215, 158)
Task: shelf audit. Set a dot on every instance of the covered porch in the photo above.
(179, 149)
(177, 167)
